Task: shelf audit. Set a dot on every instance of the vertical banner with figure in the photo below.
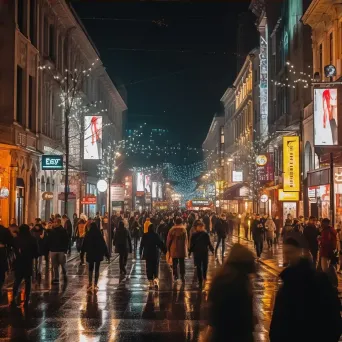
(93, 137)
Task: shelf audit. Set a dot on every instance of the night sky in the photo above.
(175, 58)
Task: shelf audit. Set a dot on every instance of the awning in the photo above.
(238, 191)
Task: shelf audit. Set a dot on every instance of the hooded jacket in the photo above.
(307, 307)
(200, 243)
(177, 242)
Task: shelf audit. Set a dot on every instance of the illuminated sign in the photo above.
(102, 185)
(148, 183)
(140, 182)
(90, 199)
(92, 137)
(117, 192)
(52, 162)
(4, 192)
(200, 203)
(154, 189)
(47, 196)
(325, 117)
(237, 176)
(263, 84)
(291, 164)
(287, 196)
(261, 160)
(263, 198)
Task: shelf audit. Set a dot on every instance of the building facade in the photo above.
(44, 33)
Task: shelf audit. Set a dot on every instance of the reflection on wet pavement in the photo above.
(124, 309)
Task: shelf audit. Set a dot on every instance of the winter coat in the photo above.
(122, 240)
(287, 229)
(206, 221)
(270, 229)
(150, 246)
(68, 227)
(311, 234)
(81, 229)
(38, 232)
(307, 307)
(146, 225)
(94, 246)
(328, 242)
(163, 231)
(231, 299)
(26, 249)
(257, 230)
(58, 240)
(221, 228)
(177, 242)
(135, 230)
(200, 243)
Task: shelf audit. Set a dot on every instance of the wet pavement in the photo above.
(124, 309)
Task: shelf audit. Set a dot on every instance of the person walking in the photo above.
(221, 229)
(80, 233)
(258, 235)
(95, 248)
(150, 246)
(58, 246)
(123, 245)
(106, 227)
(231, 317)
(6, 241)
(68, 227)
(277, 223)
(328, 244)
(200, 243)
(38, 232)
(177, 246)
(206, 221)
(311, 234)
(270, 228)
(135, 231)
(307, 307)
(26, 250)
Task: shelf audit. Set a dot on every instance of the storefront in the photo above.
(236, 199)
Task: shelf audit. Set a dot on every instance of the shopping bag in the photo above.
(168, 258)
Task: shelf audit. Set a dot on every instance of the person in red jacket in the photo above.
(328, 243)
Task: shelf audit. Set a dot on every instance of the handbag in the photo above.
(168, 258)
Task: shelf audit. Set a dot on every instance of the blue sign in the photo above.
(52, 162)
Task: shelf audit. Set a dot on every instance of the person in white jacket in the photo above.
(270, 231)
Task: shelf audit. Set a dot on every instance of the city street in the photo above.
(124, 309)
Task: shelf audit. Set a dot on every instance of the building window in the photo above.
(31, 111)
(33, 25)
(331, 47)
(20, 95)
(21, 16)
(52, 43)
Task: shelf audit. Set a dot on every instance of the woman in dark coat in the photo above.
(95, 247)
(26, 249)
(231, 299)
(149, 250)
(123, 245)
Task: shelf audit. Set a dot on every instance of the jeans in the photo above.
(152, 269)
(135, 242)
(18, 279)
(259, 244)
(123, 261)
(202, 267)
(91, 270)
(69, 244)
(38, 263)
(181, 262)
(58, 259)
(219, 240)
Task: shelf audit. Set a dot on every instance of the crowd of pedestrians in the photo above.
(306, 308)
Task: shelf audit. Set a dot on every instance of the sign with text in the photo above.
(265, 170)
(237, 176)
(47, 196)
(288, 196)
(52, 162)
(89, 199)
(93, 137)
(117, 192)
(291, 164)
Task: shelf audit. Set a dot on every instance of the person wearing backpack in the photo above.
(328, 244)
